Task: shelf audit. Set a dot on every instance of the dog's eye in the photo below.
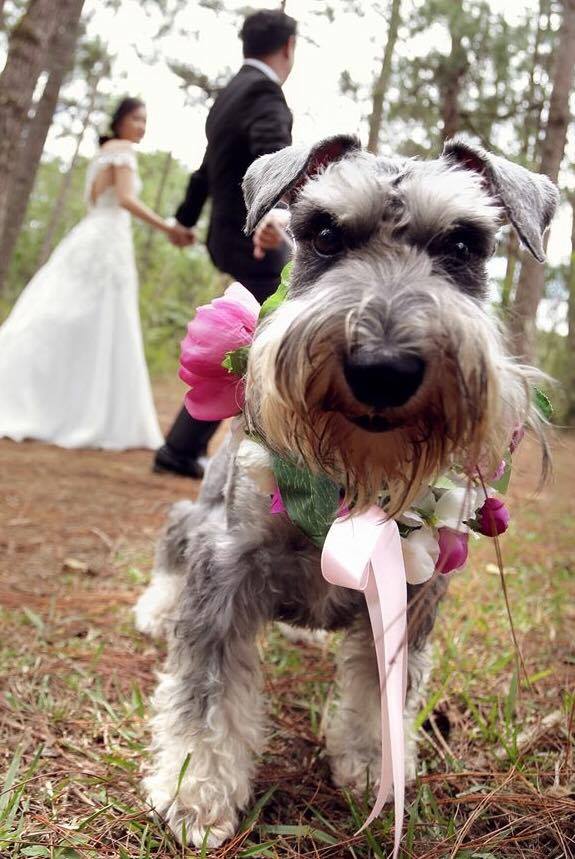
(461, 251)
(328, 242)
(462, 245)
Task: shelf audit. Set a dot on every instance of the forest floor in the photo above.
(77, 535)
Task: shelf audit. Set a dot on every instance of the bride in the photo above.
(72, 365)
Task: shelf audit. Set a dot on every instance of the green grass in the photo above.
(75, 698)
(77, 731)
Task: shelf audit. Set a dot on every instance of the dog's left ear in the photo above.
(280, 174)
(529, 199)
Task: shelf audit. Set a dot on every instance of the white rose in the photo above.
(420, 554)
(425, 502)
(256, 462)
(455, 506)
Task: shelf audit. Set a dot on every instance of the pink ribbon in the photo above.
(364, 552)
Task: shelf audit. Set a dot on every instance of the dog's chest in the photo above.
(304, 598)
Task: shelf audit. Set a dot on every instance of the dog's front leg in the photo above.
(353, 737)
(208, 722)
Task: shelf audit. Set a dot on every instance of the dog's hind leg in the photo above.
(208, 723)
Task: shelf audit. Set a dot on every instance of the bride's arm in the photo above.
(128, 199)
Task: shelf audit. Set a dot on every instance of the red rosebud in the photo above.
(493, 517)
(452, 550)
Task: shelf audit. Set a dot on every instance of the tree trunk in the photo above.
(454, 71)
(532, 123)
(532, 278)
(528, 136)
(65, 185)
(512, 257)
(570, 415)
(382, 82)
(26, 53)
(61, 57)
(166, 167)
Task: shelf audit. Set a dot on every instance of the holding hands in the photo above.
(271, 232)
(179, 235)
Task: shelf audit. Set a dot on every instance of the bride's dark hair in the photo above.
(125, 107)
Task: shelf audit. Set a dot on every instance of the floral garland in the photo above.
(435, 530)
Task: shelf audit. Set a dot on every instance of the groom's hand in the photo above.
(270, 233)
(181, 236)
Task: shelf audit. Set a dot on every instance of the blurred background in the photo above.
(403, 74)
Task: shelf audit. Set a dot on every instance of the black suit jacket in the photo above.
(249, 118)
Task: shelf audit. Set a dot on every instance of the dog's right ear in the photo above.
(279, 175)
(529, 199)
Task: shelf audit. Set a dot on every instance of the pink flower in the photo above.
(516, 439)
(277, 505)
(452, 550)
(217, 328)
(493, 517)
(498, 474)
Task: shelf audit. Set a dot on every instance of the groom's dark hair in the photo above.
(266, 31)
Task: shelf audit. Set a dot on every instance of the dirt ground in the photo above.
(77, 532)
(84, 505)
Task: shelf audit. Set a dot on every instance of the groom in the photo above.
(249, 118)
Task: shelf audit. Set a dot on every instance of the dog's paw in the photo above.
(188, 828)
(357, 773)
(157, 605)
(192, 819)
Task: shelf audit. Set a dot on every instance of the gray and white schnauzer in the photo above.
(383, 368)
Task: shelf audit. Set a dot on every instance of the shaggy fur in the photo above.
(389, 277)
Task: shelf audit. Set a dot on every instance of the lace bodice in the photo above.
(108, 198)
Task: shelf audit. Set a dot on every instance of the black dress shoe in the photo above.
(167, 460)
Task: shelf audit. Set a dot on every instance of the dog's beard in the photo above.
(472, 399)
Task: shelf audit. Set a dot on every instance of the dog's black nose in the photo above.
(383, 381)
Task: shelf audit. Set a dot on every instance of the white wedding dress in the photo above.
(72, 365)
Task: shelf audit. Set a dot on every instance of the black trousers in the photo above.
(188, 438)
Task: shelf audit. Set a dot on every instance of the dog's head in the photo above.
(385, 365)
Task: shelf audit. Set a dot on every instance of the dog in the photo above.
(384, 367)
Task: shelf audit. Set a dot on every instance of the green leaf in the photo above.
(183, 771)
(6, 794)
(511, 699)
(300, 831)
(311, 500)
(34, 618)
(542, 404)
(444, 482)
(279, 296)
(254, 813)
(236, 361)
(259, 850)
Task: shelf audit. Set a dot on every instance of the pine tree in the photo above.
(24, 63)
(531, 283)
(382, 82)
(59, 60)
(570, 342)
